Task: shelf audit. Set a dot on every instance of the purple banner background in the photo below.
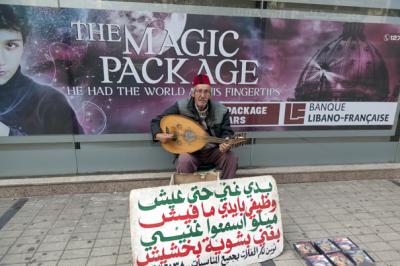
(274, 52)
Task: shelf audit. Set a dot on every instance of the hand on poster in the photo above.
(4, 130)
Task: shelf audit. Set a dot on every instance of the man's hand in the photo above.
(224, 147)
(164, 137)
(4, 130)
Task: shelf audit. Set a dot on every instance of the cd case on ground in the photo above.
(318, 260)
(344, 243)
(340, 259)
(305, 248)
(325, 246)
(360, 257)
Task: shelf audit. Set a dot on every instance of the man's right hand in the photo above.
(164, 137)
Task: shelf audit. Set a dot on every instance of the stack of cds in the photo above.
(340, 251)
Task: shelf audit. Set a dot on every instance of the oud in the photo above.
(189, 136)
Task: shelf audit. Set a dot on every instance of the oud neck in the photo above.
(215, 139)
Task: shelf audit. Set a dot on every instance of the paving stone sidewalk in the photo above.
(93, 229)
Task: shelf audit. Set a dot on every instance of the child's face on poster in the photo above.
(11, 48)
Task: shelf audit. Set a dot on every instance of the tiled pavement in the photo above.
(93, 229)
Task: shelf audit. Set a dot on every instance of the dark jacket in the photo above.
(29, 108)
(217, 119)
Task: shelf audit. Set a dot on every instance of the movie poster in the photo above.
(94, 71)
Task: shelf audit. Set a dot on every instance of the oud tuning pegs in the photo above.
(239, 139)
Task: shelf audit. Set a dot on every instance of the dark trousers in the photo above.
(227, 162)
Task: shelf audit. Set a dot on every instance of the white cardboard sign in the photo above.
(226, 222)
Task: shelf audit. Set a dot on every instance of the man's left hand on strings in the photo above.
(224, 147)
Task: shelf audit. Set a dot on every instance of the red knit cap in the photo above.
(200, 79)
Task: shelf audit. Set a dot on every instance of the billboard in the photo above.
(112, 71)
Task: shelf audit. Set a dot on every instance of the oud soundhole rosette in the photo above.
(189, 136)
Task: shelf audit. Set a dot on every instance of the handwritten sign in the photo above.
(226, 222)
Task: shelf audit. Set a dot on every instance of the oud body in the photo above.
(189, 136)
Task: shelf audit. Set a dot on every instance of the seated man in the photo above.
(214, 117)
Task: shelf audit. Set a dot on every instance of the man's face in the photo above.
(11, 48)
(201, 95)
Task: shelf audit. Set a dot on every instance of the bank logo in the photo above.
(294, 113)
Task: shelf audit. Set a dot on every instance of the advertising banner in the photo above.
(88, 71)
(235, 222)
